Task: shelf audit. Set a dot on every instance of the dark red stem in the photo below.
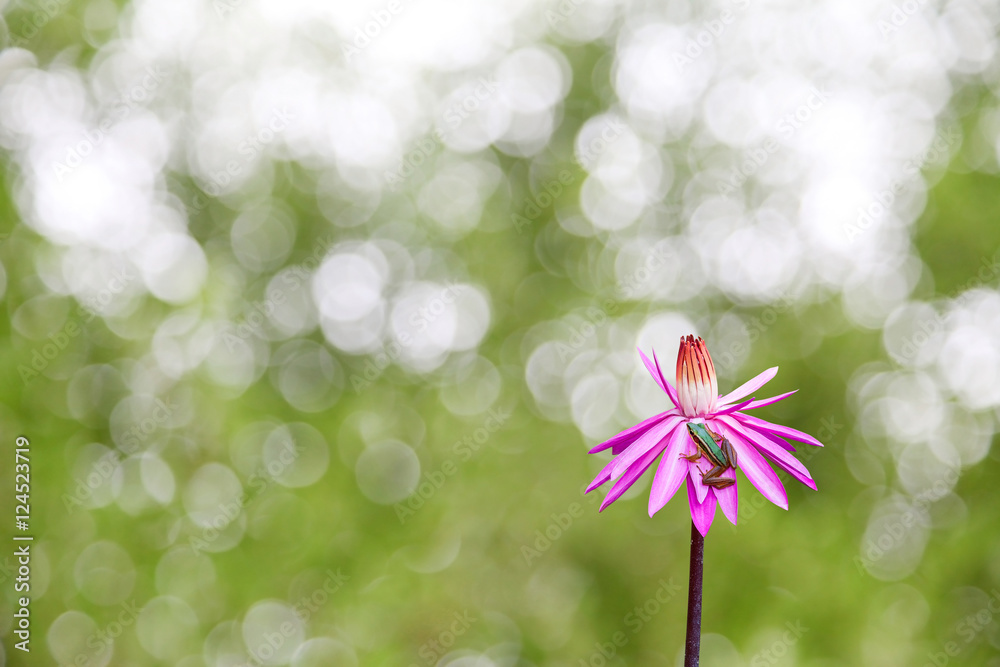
(692, 645)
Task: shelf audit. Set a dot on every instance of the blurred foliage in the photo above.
(416, 567)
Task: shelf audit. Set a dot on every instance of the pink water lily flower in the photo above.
(696, 400)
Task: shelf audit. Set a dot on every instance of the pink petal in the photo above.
(729, 498)
(783, 459)
(632, 474)
(754, 466)
(622, 446)
(768, 401)
(702, 513)
(694, 478)
(780, 442)
(777, 429)
(602, 476)
(748, 387)
(654, 371)
(646, 441)
(667, 387)
(670, 473)
(734, 408)
(629, 435)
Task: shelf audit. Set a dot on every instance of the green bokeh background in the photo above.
(558, 606)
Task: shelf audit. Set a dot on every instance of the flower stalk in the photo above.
(692, 644)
